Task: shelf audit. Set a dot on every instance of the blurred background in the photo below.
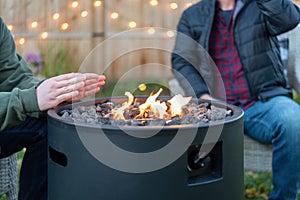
(123, 39)
(112, 37)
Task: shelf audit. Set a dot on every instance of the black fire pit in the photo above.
(170, 162)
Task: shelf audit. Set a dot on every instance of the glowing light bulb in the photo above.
(44, 35)
(151, 31)
(170, 34)
(132, 24)
(142, 87)
(10, 27)
(153, 2)
(114, 15)
(22, 41)
(84, 13)
(34, 24)
(173, 6)
(97, 3)
(55, 16)
(74, 4)
(188, 5)
(64, 26)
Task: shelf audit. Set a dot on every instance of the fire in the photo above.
(157, 108)
(153, 105)
(119, 112)
(177, 102)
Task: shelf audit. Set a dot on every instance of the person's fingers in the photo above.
(90, 86)
(91, 92)
(88, 91)
(71, 81)
(73, 78)
(66, 76)
(68, 79)
(69, 88)
(91, 76)
(94, 77)
(101, 83)
(77, 86)
(67, 96)
(102, 78)
(90, 82)
(94, 82)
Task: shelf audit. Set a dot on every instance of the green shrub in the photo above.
(57, 60)
(257, 185)
(296, 97)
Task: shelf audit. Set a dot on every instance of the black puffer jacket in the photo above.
(256, 25)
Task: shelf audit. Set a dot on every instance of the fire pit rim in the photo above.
(53, 113)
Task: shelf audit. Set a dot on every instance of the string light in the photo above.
(10, 27)
(44, 35)
(151, 31)
(132, 24)
(153, 2)
(55, 16)
(114, 15)
(170, 34)
(64, 26)
(74, 4)
(173, 6)
(34, 24)
(22, 41)
(97, 3)
(188, 5)
(84, 13)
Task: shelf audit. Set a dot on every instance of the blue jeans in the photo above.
(277, 122)
(32, 135)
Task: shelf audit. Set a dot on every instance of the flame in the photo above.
(153, 107)
(177, 102)
(119, 112)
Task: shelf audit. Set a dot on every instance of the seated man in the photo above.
(24, 100)
(240, 37)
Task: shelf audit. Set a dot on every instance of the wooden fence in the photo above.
(98, 36)
(129, 39)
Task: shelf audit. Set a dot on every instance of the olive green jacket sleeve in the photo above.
(17, 84)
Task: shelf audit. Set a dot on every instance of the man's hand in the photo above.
(66, 87)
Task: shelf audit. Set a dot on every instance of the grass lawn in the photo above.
(258, 185)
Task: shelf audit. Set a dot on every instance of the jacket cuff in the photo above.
(29, 100)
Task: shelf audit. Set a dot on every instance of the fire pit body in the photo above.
(76, 173)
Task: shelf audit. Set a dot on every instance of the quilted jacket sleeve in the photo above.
(185, 64)
(281, 15)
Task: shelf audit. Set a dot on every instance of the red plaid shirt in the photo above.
(223, 51)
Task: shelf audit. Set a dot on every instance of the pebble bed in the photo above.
(101, 114)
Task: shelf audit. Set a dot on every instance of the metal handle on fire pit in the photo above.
(58, 157)
(198, 161)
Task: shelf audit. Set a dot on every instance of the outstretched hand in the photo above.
(66, 87)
